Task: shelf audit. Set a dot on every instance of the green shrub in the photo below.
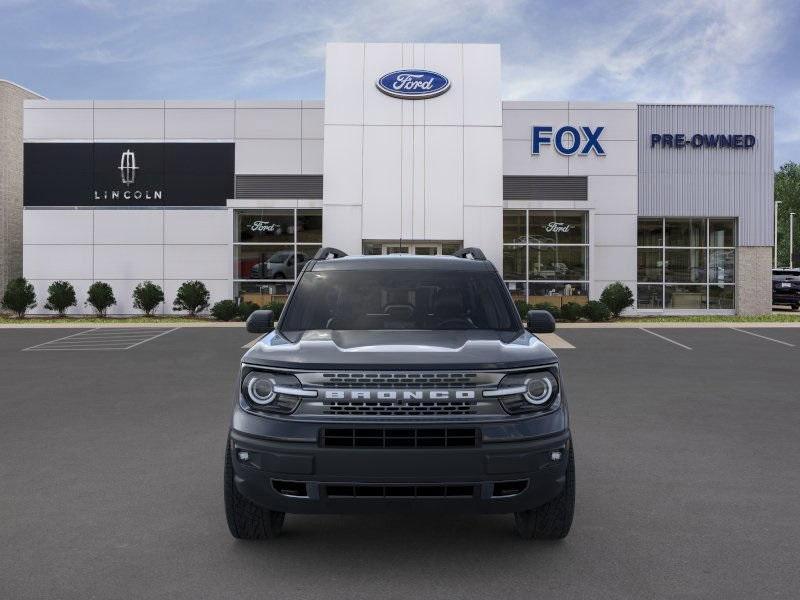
(147, 296)
(551, 308)
(192, 296)
(224, 310)
(522, 308)
(571, 311)
(19, 297)
(60, 296)
(245, 309)
(617, 297)
(596, 311)
(101, 297)
(276, 306)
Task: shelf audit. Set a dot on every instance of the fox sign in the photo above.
(568, 140)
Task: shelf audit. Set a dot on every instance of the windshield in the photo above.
(400, 299)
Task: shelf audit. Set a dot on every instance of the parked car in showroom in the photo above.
(278, 266)
(786, 287)
(405, 383)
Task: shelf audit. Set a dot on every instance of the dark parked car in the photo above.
(400, 383)
(786, 287)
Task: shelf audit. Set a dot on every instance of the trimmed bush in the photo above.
(224, 310)
(551, 308)
(617, 297)
(245, 309)
(522, 308)
(19, 297)
(596, 311)
(276, 306)
(571, 311)
(193, 297)
(60, 296)
(100, 297)
(147, 296)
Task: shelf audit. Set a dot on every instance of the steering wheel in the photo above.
(456, 321)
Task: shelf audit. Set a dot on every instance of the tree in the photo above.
(787, 191)
(60, 296)
(617, 297)
(192, 296)
(101, 297)
(147, 296)
(19, 297)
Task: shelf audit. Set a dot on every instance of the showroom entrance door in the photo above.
(418, 248)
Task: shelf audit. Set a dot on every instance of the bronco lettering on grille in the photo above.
(401, 395)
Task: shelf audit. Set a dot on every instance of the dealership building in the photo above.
(412, 150)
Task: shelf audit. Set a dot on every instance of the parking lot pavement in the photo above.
(688, 482)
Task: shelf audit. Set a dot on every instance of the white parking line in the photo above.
(551, 340)
(663, 337)
(763, 337)
(99, 339)
(253, 343)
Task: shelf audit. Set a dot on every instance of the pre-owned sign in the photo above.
(702, 140)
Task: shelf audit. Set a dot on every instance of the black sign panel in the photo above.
(128, 174)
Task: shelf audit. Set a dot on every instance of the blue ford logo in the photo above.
(413, 84)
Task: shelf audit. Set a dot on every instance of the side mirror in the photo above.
(260, 321)
(539, 321)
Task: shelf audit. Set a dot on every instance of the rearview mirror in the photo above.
(260, 321)
(541, 321)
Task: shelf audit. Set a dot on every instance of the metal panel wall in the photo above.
(702, 181)
(532, 187)
(279, 186)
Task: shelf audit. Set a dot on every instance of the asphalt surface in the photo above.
(688, 483)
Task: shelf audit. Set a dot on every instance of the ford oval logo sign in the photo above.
(413, 84)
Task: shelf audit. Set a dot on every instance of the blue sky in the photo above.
(665, 50)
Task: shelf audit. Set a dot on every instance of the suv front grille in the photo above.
(385, 437)
(399, 491)
(398, 380)
(406, 409)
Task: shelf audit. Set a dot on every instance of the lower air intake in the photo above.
(399, 491)
(346, 437)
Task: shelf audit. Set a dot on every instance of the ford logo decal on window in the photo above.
(413, 84)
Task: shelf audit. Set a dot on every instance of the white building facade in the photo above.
(564, 197)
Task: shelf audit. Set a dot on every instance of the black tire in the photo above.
(795, 306)
(247, 520)
(553, 520)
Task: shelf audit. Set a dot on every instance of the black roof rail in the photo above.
(328, 252)
(470, 253)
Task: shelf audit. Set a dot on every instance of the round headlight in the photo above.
(260, 389)
(538, 389)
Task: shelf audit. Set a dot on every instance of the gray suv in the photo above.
(399, 383)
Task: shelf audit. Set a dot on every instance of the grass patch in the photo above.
(94, 320)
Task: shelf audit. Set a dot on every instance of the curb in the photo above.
(122, 325)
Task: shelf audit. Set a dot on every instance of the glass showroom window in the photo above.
(686, 264)
(546, 255)
(271, 246)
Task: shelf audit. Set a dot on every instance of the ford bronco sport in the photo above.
(399, 383)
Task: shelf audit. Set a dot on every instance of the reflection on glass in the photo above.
(558, 294)
(685, 266)
(514, 262)
(722, 232)
(263, 293)
(518, 290)
(649, 264)
(558, 227)
(685, 296)
(558, 262)
(266, 226)
(649, 297)
(685, 232)
(650, 232)
(265, 262)
(721, 266)
(721, 297)
(309, 226)
(514, 226)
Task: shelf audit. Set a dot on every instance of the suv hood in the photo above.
(416, 350)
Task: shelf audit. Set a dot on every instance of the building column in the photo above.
(753, 280)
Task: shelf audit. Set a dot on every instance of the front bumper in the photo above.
(500, 475)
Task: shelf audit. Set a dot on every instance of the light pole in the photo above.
(777, 203)
(791, 239)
